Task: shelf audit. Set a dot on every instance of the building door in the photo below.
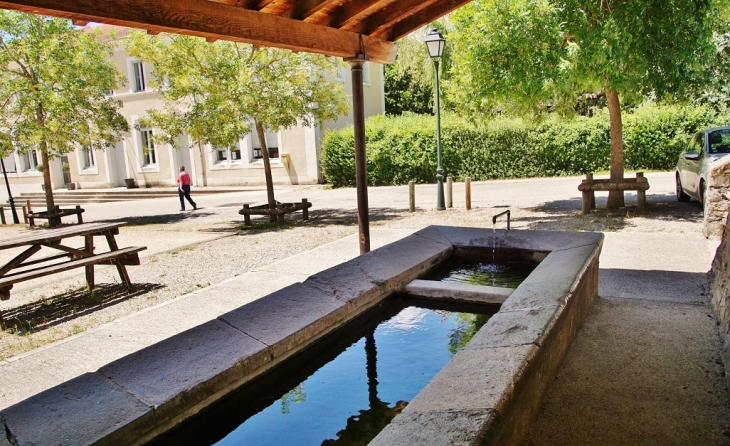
(66, 172)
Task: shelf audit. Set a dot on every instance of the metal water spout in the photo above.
(494, 219)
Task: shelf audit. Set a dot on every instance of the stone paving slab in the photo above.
(51, 417)
(640, 372)
(657, 285)
(187, 367)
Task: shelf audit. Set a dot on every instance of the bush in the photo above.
(403, 148)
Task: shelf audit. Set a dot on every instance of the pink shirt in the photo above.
(183, 179)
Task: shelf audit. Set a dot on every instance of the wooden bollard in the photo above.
(449, 192)
(467, 186)
(412, 196)
(2, 215)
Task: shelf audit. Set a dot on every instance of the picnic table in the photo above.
(27, 265)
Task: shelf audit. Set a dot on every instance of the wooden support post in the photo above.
(467, 186)
(78, 213)
(246, 216)
(305, 210)
(361, 173)
(412, 196)
(449, 192)
(25, 216)
(27, 203)
(2, 215)
(280, 217)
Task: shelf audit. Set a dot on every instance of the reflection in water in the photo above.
(346, 392)
(507, 275)
(364, 426)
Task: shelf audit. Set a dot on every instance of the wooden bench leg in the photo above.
(121, 269)
(586, 202)
(641, 200)
(2, 321)
(593, 199)
(246, 216)
(89, 247)
(78, 212)
(305, 210)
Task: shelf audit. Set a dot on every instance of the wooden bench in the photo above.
(589, 186)
(31, 216)
(279, 211)
(27, 266)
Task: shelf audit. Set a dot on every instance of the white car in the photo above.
(693, 166)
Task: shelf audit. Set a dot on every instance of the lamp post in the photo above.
(435, 43)
(10, 196)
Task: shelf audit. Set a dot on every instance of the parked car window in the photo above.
(719, 141)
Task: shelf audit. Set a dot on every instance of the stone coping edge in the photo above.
(137, 397)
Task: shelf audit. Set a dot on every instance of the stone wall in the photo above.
(718, 286)
(717, 200)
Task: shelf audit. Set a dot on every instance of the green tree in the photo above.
(536, 55)
(54, 81)
(216, 93)
(410, 81)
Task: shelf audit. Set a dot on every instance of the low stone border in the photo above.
(131, 400)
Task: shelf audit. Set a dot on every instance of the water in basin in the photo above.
(347, 388)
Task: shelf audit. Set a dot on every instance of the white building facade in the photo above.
(294, 153)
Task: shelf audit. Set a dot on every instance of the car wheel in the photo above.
(681, 196)
(703, 193)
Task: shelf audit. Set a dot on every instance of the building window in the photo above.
(87, 156)
(366, 73)
(340, 75)
(272, 145)
(28, 160)
(230, 155)
(149, 152)
(139, 78)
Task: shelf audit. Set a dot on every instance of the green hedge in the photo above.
(403, 148)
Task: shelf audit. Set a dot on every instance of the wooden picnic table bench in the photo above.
(27, 266)
(31, 216)
(589, 186)
(279, 210)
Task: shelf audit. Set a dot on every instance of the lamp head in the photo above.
(435, 43)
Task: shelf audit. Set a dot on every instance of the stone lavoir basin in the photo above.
(487, 393)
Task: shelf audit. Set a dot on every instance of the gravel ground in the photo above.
(188, 251)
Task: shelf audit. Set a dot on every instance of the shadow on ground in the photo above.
(160, 219)
(48, 312)
(317, 218)
(566, 214)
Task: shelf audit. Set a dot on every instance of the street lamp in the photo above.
(435, 43)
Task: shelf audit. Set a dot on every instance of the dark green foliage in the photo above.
(403, 148)
(405, 94)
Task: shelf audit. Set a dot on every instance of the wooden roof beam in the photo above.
(415, 21)
(303, 9)
(349, 12)
(388, 16)
(213, 20)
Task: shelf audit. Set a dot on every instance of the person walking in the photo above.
(183, 188)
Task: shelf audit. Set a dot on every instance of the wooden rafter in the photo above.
(214, 20)
(415, 21)
(388, 16)
(350, 11)
(304, 9)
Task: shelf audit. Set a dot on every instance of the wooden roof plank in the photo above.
(388, 16)
(306, 8)
(213, 20)
(350, 11)
(408, 25)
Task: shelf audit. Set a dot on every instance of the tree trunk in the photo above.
(267, 169)
(50, 205)
(615, 198)
(202, 163)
